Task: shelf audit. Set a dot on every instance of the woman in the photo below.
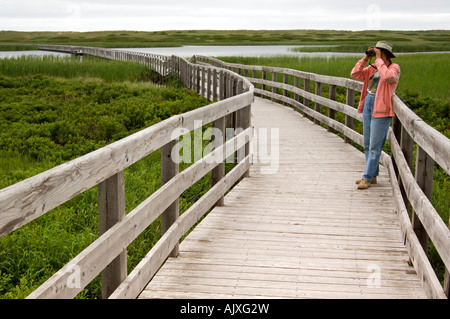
(380, 81)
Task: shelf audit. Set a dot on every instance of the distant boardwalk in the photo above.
(304, 232)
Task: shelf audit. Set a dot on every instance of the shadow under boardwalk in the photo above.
(297, 228)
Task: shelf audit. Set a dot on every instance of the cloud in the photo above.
(90, 15)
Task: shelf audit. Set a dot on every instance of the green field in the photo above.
(348, 41)
(55, 109)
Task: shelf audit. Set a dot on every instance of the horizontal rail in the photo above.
(104, 249)
(27, 200)
(433, 147)
(428, 138)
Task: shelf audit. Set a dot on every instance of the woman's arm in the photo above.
(359, 71)
(389, 75)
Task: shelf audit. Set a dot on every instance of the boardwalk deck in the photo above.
(304, 232)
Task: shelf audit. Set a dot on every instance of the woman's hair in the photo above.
(388, 54)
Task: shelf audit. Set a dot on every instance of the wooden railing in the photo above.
(33, 197)
(408, 189)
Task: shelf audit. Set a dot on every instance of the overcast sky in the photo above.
(152, 15)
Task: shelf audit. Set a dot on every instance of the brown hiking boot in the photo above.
(364, 184)
(374, 181)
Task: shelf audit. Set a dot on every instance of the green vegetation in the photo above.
(353, 41)
(422, 82)
(49, 115)
(74, 67)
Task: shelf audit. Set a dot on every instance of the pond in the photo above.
(213, 51)
(16, 54)
(238, 50)
(216, 50)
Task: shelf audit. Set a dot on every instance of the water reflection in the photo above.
(238, 50)
(214, 51)
(16, 54)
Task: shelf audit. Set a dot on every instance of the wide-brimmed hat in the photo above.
(385, 45)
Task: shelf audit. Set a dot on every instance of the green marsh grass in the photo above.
(72, 67)
(352, 41)
(54, 110)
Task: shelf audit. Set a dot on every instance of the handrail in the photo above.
(35, 196)
(432, 147)
(224, 82)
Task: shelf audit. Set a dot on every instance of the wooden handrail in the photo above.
(222, 81)
(35, 196)
(433, 147)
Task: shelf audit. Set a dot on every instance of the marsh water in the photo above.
(214, 50)
(238, 50)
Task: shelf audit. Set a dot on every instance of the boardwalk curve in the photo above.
(303, 232)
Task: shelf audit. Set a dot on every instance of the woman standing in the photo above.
(380, 81)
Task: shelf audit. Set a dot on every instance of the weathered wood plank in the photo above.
(430, 219)
(429, 139)
(111, 206)
(102, 251)
(299, 233)
(136, 281)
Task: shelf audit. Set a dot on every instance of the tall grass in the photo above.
(73, 67)
(426, 74)
(66, 110)
(352, 40)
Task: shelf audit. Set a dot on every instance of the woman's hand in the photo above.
(367, 57)
(377, 53)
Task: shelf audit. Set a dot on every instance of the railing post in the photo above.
(407, 146)
(297, 85)
(317, 106)
(447, 276)
(264, 77)
(306, 88)
(208, 85)
(204, 83)
(396, 129)
(230, 118)
(169, 169)
(219, 171)
(350, 100)
(111, 206)
(214, 85)
(285, 81)
(222, 85)
(243, 121)
(331, 112)
(424, 178)
(198, 79)
(274, 79)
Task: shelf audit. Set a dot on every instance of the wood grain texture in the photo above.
(304, 232)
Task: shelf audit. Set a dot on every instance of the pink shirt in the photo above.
(389, 77)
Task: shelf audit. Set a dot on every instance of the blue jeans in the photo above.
(375, 132)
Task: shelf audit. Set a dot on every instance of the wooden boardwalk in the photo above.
(304, 232)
